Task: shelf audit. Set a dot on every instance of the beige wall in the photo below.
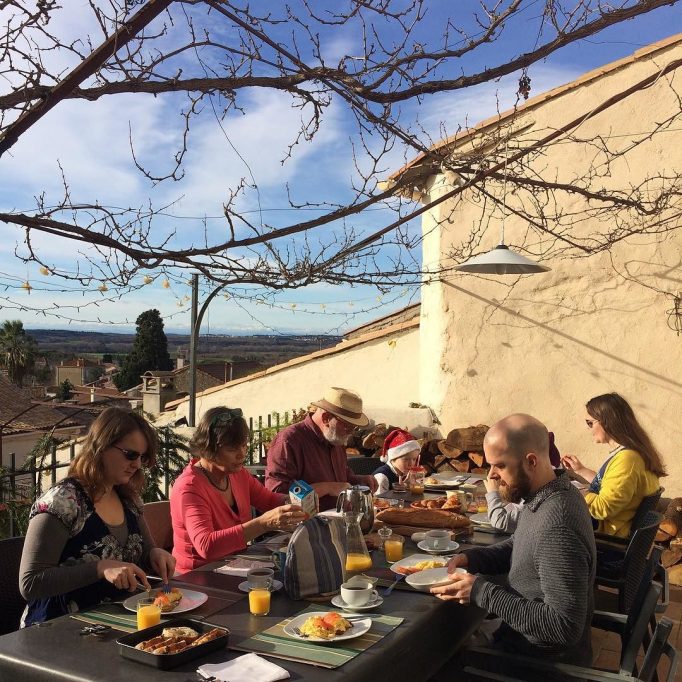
(546, 343)
(383, 371)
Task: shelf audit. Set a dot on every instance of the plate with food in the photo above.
(431, 577)
(480, 519)
(326, 627)
(416, 563)
(443, 482)
(175, 601)
(446, 503)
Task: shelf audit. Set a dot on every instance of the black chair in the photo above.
(626, 575)
(363, 466)
(632, 629)
(12, 604)
(649, 503)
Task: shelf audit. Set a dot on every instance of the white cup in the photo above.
(358, 594)
(437, 539)
(260, 578)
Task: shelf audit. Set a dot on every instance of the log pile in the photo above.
(670, 533)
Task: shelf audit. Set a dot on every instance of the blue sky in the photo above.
(90, 141)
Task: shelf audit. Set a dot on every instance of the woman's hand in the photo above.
(121, 574)
(162, 563)
(286, 517)
(572, 463)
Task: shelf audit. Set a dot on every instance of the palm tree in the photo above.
(17, 349)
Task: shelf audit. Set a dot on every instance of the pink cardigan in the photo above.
(205, 528)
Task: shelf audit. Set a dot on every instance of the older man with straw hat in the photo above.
(314, 450)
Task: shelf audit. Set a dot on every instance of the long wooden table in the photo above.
(431, 632)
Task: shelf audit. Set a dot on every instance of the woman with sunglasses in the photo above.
(631, 471)
(212, 498)
(87, 538)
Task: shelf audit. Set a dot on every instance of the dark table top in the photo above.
(431, 632)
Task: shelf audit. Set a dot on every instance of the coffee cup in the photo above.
(437, 539)
(260, 578)
(358, 594)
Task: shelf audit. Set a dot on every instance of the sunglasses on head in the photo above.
(590, 422)
(132, 455)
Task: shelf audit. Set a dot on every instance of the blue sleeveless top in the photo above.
(89, 540)
(391, 475)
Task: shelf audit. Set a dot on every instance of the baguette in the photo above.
(423, 518)
(209, 636)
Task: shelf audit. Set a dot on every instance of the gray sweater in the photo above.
(547, 602)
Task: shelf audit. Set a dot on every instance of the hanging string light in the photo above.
(147, 279)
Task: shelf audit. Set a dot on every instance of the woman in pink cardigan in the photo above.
(212, 498)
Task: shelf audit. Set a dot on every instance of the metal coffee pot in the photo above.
(358, 499)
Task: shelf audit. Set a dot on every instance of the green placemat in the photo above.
(273, 642)
(109, 614)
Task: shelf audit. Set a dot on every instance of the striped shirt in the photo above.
(546, 603)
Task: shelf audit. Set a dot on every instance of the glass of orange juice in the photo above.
(259, 601)
(148, 614)
(481, 504)
(394, 548)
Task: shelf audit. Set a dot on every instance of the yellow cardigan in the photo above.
(625, 482)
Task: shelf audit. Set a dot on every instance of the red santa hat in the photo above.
(398, 443)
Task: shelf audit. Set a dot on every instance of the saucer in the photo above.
(452, 546)
(276, 585)
(338, 601)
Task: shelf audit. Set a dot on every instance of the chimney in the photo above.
(92, 394)
(180, 361)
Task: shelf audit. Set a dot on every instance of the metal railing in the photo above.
(20, 487)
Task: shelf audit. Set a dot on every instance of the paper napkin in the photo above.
(247, 668)
(241, 567)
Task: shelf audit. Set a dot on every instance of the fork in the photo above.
(389, 589)
(299, 633)
(166, 588)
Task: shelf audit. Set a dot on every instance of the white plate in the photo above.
(359, 628)
(276, 585)
(445, 483)
(190, 601)
(337, 601)
(431, 577)
(480, 519)
(412, 560)
(452, 546)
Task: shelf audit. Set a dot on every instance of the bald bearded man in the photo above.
(546, 602)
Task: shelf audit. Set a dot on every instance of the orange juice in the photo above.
(147, 616)
(394, 550)
(259, 602)
(482, 508)
(355, 563)
(417, 489)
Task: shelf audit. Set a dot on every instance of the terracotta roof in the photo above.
(431, 165)
(14, 400)
(339, 348)
(410, 309)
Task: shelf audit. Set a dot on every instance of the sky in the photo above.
(88, 142)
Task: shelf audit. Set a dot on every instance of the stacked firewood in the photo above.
(670, 533)
(460, 451)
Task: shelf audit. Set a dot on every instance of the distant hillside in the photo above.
(269, 350)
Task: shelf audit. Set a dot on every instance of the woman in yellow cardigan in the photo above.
(631, 471)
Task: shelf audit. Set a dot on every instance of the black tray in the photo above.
(126, 644)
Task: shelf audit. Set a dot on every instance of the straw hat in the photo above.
(343, 404)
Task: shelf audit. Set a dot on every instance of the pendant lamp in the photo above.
(501, 260)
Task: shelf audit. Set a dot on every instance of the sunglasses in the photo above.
(591, 422)
(132, 455)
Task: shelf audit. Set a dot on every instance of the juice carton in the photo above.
(302, 494)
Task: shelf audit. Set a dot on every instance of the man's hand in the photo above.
(372, 483)
(459, 589)
(492, 485)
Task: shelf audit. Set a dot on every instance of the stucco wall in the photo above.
(384, 371)
(545, 344)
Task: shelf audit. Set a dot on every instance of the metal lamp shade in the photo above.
(501, 261)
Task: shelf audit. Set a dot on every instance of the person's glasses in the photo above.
(132, 455)
(590, 422)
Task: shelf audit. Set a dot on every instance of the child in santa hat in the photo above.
(399, 453)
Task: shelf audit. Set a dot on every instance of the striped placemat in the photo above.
(113, 615)
(273, 642)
